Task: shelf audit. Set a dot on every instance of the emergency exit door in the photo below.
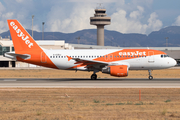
(150, 56)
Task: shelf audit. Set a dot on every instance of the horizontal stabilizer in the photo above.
(13, 55)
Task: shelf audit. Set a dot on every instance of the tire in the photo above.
(150, 77)
(93, 77)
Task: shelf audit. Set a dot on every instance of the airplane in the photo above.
(116, 62)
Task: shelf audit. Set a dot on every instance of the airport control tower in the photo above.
(100, 20)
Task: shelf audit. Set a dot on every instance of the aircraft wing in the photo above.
(88, 63)
(98, 65)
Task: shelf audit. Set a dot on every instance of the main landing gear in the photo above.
(150, 76)
(94, 76)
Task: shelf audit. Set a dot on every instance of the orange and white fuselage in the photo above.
(115, 62)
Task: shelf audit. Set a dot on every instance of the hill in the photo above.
(114, 38)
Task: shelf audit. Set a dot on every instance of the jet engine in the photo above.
(116, 70)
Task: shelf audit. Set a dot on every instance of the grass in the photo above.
(24, 101)
(164, 112)
(38, 113)
(96, 101)
(151, 103)
(129, 103)
(52, 73)
(120, 103)
(139, 103)
(109, 104)
(88, 103)
(167, 101)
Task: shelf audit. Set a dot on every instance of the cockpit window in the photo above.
(163, 56)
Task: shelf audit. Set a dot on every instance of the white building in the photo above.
(6, 45)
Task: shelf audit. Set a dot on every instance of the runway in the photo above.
(87, 83)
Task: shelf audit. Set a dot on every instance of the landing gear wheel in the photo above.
(93, 77)
(150, 77)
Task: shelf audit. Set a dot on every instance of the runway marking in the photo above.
(10, 80)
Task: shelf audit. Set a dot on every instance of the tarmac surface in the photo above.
(87, 83)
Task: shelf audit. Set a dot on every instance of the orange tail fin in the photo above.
(26, 49)
(21, 39)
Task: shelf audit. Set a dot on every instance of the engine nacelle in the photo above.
(116, 70)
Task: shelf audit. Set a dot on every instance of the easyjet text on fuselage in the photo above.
(133, 53)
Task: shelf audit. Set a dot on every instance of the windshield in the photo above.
(163, 56)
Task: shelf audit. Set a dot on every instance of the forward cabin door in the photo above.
(150, 56)
(43, 57)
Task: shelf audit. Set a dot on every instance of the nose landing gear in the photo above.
(150, 76)
(94, 76)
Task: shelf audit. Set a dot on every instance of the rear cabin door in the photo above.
(43, 57)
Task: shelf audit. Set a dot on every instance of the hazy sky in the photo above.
(127, 16)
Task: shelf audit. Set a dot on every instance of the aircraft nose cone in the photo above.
(173, 62)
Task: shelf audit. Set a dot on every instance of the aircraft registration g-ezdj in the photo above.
(116, 62)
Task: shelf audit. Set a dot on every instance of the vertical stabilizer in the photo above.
(26, 49)
(21, 39)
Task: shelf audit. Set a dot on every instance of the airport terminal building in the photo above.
(6, 45)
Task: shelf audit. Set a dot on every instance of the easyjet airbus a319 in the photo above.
(116, 62)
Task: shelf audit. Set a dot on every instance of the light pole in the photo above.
(43, 30)
(166, 41)
(78, 39)
(32, 25)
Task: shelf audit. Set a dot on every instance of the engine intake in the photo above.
(116, 70)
